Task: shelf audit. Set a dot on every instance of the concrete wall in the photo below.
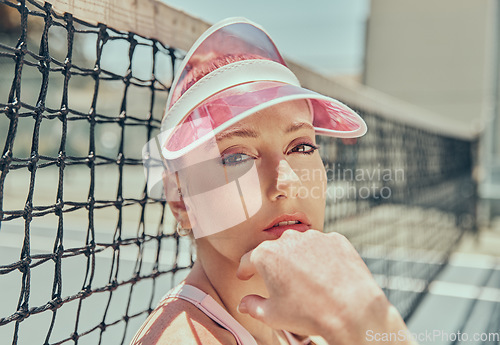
(435, 54)
(443, 56)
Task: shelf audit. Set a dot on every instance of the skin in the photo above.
(282, 145)
(352, 310)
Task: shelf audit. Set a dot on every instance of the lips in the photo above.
(289, 219)
(294, 221)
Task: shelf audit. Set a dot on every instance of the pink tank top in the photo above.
(216, 312)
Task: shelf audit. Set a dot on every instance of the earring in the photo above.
(182, 231)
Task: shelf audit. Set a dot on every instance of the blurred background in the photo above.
(435, 64)
(331, 33)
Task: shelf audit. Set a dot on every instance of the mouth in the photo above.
(285, 223)
(297, 221)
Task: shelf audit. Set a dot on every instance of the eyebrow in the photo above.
(237, 132)
(250, 133)
(298, 126)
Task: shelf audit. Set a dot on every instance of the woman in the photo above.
(242, 166)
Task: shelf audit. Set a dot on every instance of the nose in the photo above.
(286, 184)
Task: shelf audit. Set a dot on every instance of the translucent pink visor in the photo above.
(230, 43)
(219, 111)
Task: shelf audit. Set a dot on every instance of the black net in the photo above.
(403, 197)
(86, 253)
(81, 239)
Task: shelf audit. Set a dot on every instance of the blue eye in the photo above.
(235, 159)
(305, 148)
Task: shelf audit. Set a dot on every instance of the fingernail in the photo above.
(242, 308)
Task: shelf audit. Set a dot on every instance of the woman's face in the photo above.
(279, 143)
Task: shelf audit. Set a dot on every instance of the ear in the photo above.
(174, 199)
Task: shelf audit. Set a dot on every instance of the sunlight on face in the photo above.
(273, 158)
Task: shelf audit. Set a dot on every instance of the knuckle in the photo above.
(344, 243)
(343, 239)
(289, 234)
(339, 237)
(312, 232)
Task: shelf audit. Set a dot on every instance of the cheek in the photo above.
(221, 198)
(230, 245)
(312, 175)
(313, 189)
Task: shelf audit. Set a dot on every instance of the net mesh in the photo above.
(86, 253)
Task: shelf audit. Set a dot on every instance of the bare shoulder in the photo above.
(176, 321)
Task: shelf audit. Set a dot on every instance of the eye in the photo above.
(235, 159)
(304, 148)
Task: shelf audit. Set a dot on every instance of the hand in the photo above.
(318, 285)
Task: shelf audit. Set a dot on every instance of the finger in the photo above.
(246, 269)
(256, 306)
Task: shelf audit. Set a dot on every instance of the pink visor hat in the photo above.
(233, 71)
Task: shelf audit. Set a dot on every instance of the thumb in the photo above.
(256, 306)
